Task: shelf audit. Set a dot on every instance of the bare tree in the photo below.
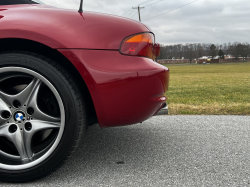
(189, 52)
(200, 52)
(237, 50)
(213, 51)
(180, 50)
(244, 50)
(197, 50)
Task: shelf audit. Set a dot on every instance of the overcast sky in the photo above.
(204, 21)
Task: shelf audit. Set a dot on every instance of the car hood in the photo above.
(60, 28)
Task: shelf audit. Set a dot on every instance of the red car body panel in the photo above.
(125, 89)
(59, 28)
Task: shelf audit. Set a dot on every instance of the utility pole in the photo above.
(139, 8)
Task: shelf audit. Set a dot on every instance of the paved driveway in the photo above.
(163, 151)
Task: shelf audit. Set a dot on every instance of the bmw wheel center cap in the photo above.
(19, 116)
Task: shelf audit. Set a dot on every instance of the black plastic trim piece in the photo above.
(16, 2)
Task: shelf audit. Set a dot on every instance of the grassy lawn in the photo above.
(213, 89)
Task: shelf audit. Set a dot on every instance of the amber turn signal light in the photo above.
(140, 45)
(157, 49)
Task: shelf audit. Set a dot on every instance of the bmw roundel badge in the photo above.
(19, 116)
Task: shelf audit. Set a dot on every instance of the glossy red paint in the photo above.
(59, 28)
(125, 89)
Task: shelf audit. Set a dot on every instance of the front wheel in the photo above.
(42, 116)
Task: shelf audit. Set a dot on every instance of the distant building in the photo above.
(228, 56)
(173, 61)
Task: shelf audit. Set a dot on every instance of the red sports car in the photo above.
(63, 70)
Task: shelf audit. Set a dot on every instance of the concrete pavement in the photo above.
(163, 151)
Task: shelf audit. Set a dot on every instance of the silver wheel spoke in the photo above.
(38, 114)
(6, 98)
(37, 125)
(18, 158)
(23, 96)
(16, 138)
(4, 130)
(3, 107)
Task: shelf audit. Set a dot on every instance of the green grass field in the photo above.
(214, 89)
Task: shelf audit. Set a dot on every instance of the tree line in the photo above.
(197, 50)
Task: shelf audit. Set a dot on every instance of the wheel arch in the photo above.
(17, 44)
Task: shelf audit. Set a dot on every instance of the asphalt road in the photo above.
(163, 151)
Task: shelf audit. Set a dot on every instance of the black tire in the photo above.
(75, 115)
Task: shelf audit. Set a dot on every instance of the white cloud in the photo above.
(204, 21)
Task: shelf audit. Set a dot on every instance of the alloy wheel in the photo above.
(32, 118)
